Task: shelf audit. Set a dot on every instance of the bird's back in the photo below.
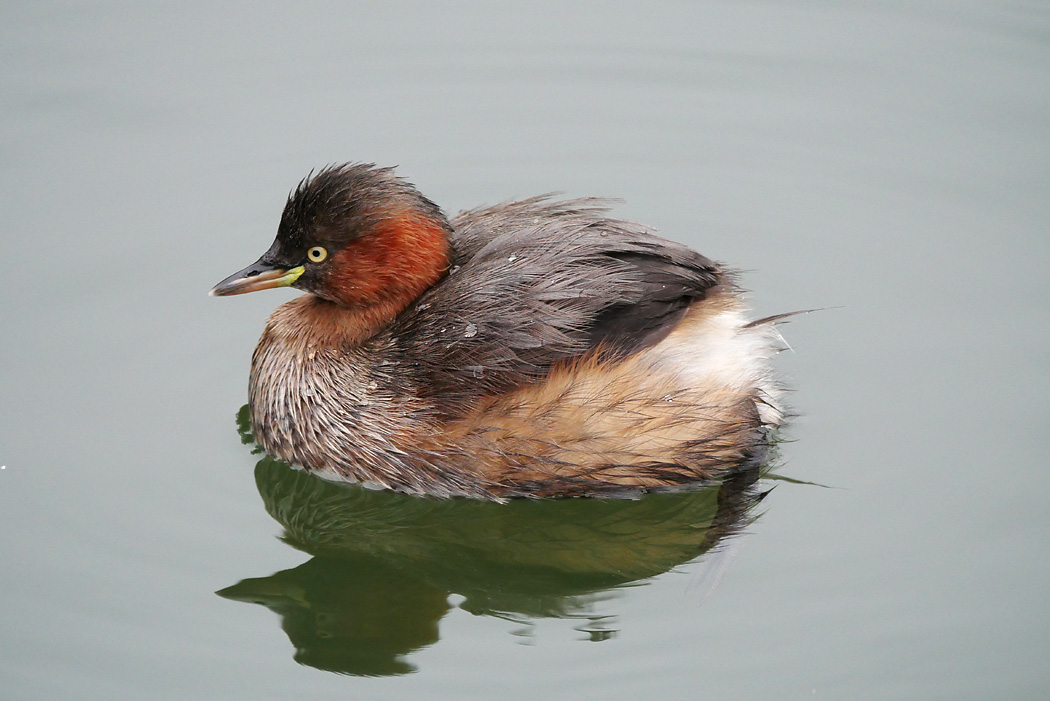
(537, 283)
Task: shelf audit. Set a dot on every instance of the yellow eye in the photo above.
(317, 254)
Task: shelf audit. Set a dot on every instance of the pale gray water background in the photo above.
(892, 160)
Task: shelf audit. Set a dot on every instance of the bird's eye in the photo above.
(317, 254)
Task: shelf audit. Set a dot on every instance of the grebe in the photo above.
(534, 348)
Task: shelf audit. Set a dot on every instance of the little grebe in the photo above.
(533, 348)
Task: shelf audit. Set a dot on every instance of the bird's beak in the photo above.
(257, 276)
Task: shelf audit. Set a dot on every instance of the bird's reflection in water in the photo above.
(385, 564)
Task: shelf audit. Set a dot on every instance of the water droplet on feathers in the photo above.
(471, 331)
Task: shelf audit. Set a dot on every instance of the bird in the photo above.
(535, 348)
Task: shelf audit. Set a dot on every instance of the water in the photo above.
(889, 161)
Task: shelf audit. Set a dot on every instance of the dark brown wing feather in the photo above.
(534, 283)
